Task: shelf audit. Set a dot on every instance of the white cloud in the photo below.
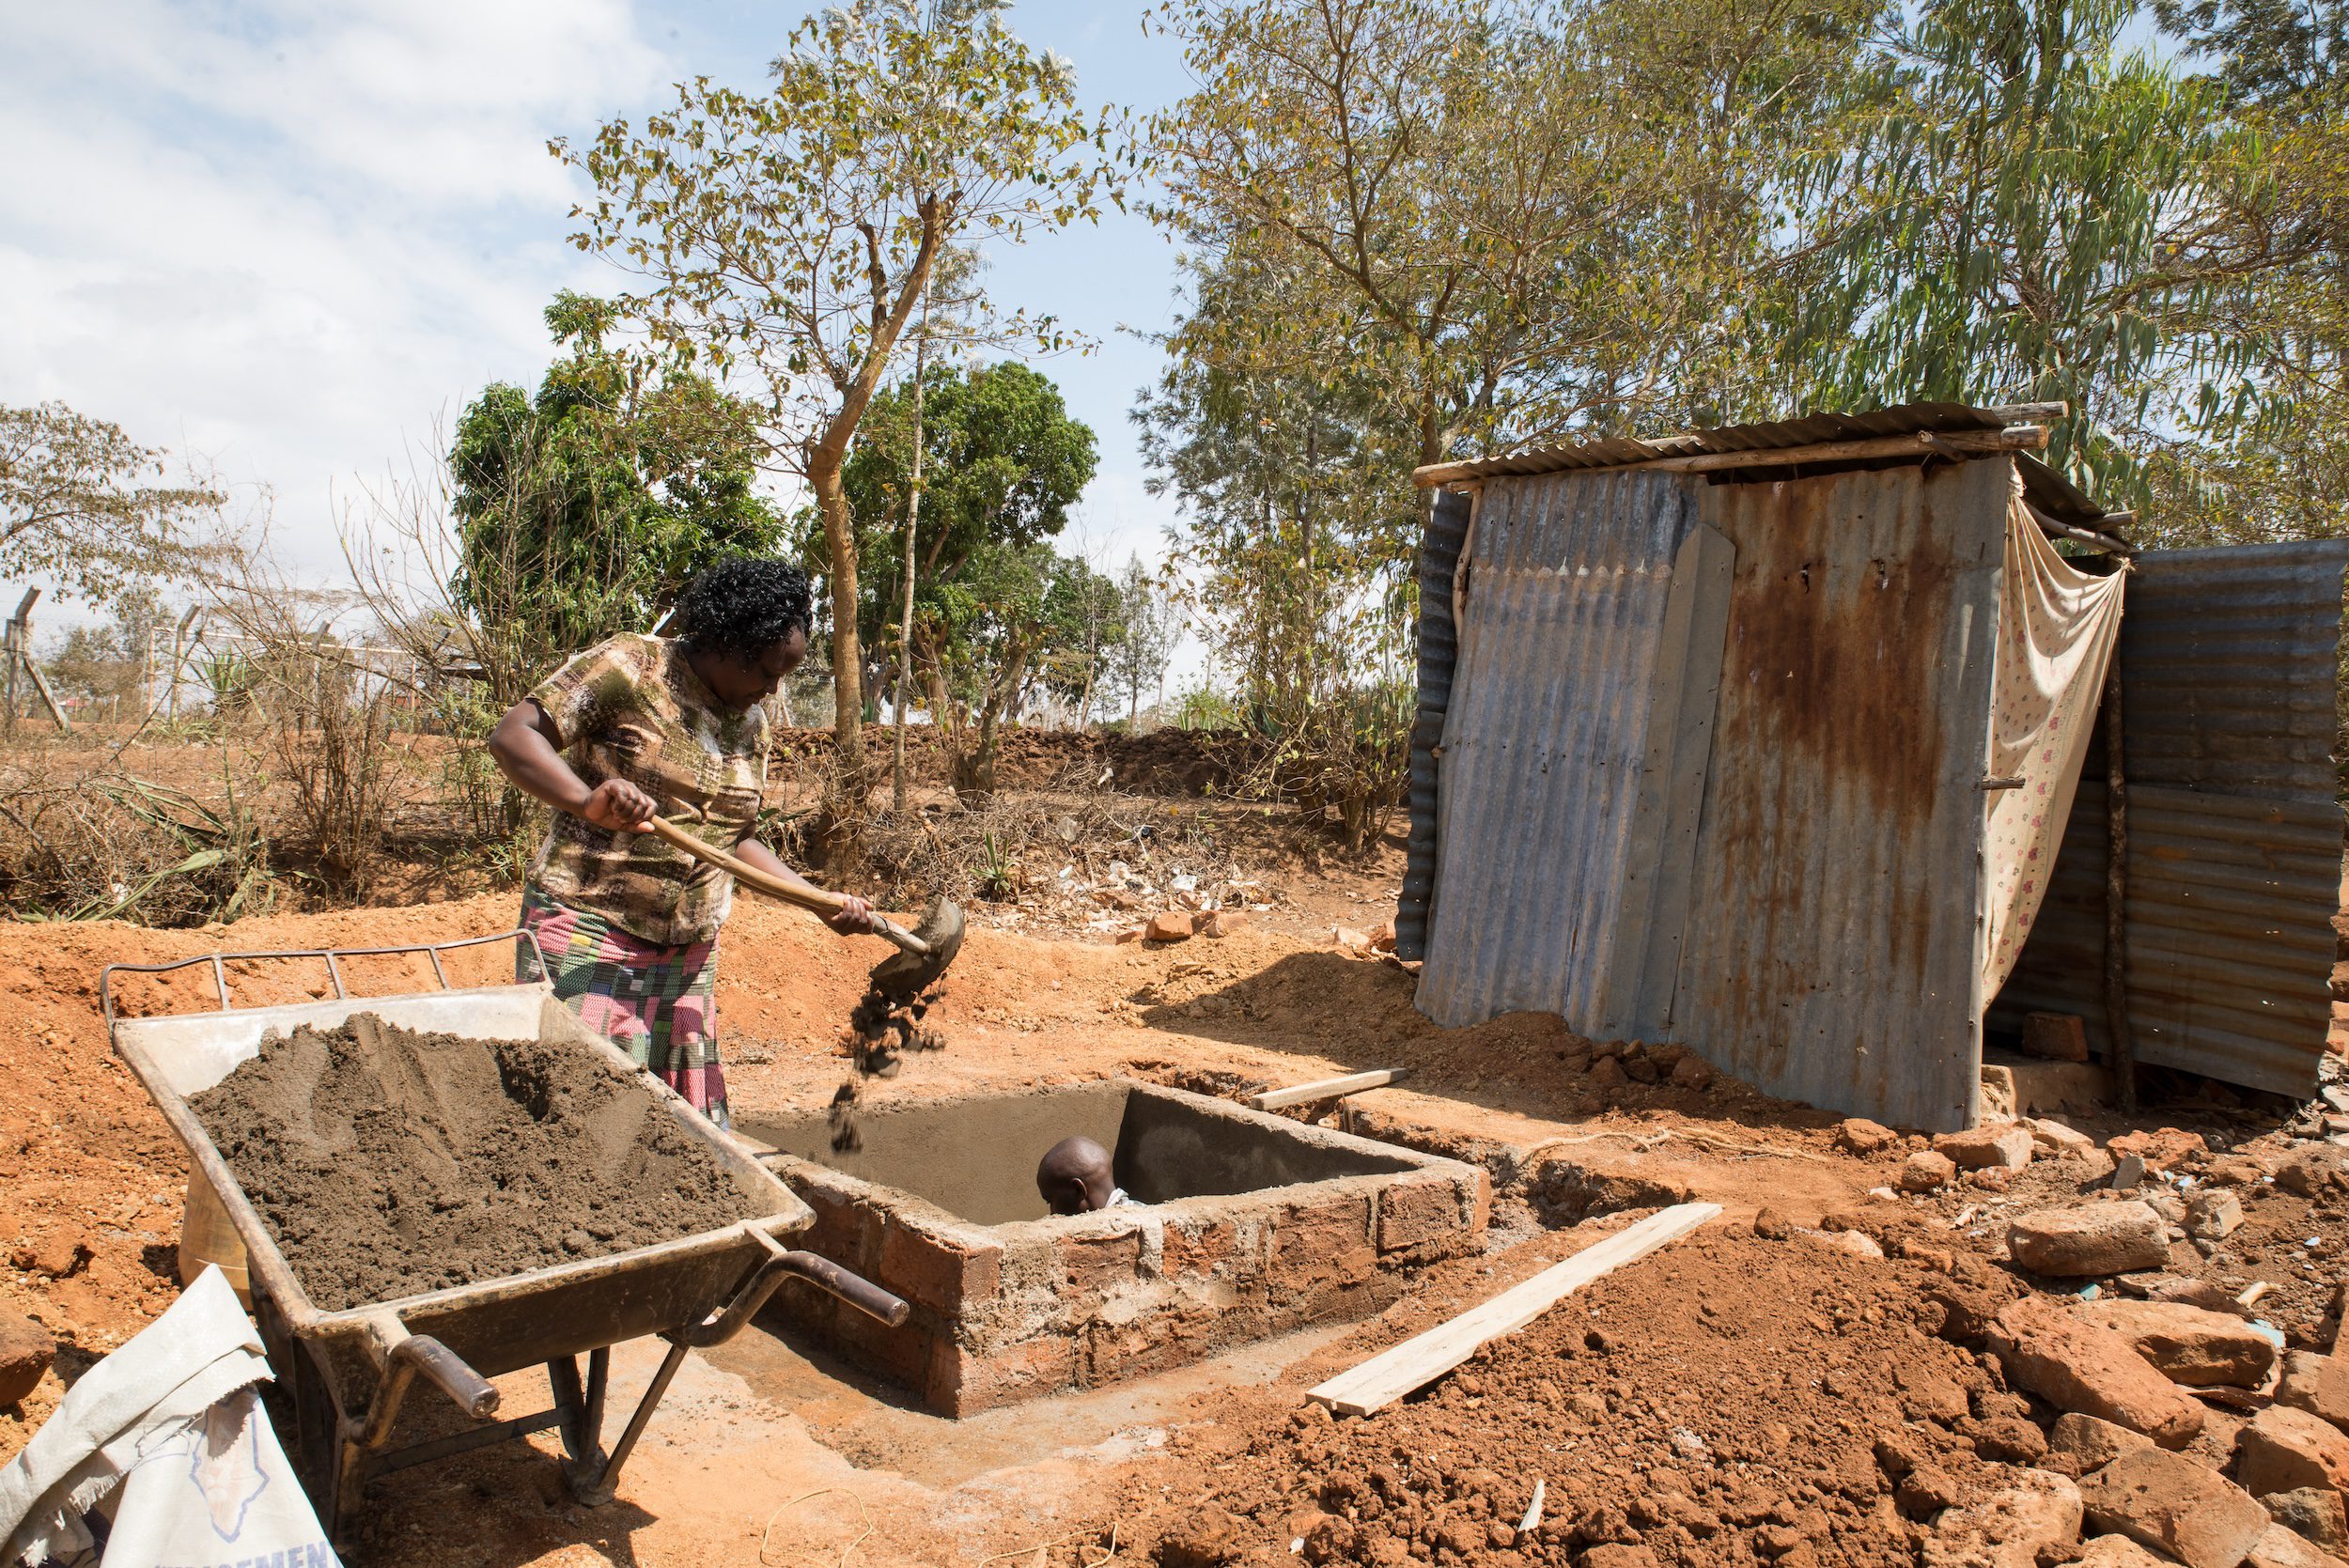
(288, 236)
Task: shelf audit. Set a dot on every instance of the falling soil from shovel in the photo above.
(884, 1027)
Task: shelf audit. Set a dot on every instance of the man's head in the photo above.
(1074, 1176)
(744, 623)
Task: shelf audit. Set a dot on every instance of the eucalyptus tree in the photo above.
(784, 238)
(2029, 210)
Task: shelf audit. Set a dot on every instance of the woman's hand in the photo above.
(855, 918)
(619, 806)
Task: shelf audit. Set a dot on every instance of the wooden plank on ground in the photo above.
(1328, 1088)
(1421, 1360)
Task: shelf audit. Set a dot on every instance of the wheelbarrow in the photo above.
(349, 1371)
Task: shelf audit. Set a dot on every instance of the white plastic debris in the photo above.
(1533, 1520)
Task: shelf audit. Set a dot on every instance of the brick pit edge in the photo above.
(1003, 1313)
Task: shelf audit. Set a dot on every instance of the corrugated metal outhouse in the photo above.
(1707, 745)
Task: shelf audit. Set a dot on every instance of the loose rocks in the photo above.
(2077, 1365)
(1927, 1171)
(2213, 1216)
(2085, 1443)
(2188, 1344)
(1987, 1147)
(2168, 1501)
(2279, 1548)
(2313, 1512)
(2317, 1384)
(2020, 1527)
(2090, 1240)
(1859, 1136)
(25, 1352)
(2283, 1450)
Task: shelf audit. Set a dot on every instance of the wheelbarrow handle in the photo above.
(814, 899)
(448, 1372)
(864, 1295)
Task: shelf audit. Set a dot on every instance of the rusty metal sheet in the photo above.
(1830, 951)
(2229, 661)
(1545, 743)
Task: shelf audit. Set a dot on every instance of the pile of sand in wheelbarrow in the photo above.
(387, 1162)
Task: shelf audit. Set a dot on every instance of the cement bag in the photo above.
(214, 1492)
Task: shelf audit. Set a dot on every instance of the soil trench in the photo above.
(387, 1162)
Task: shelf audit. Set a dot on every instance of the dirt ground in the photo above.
(1740, 1381)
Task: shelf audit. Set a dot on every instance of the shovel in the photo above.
(923, 953)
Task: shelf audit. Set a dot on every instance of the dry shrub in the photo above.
(992, 851)
(97, 842)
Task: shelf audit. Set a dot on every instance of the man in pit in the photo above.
(1074, 1177)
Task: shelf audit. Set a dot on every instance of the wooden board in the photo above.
(1328, 1088)
(1421, 1360)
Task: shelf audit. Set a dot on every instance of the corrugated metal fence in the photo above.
(2229, 660)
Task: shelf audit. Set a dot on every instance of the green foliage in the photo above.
(1003, 464)
(583, 509)
(80, 504)
(2023, 214)
(785, 239)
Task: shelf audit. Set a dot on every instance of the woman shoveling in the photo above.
(637, 726)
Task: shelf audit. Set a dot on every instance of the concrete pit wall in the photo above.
(1026, 1307)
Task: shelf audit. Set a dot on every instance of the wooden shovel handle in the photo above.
(751, 876)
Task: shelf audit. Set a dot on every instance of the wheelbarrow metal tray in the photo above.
(495, 1325)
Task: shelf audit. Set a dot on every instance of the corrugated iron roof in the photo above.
(2045, 488)
(2227, 664)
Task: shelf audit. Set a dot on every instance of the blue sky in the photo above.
(293, 237)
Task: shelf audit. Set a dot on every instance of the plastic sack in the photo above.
(216, 1491)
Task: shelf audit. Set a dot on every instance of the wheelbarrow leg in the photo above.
(595, 1481)
(582, 1427)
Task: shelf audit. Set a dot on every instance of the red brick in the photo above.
(1322, 1243)
(1162, 1341)
(1414, 1212)
(902, 1354)
(1204, 1251)
(937, 1271)
(964, 1382)
(1099, 1264)
(847, 1229)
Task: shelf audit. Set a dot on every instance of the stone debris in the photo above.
(2179, 1287)
(1859, 1136)
(2054, 1037)
(1927, 1171)
(2190, 1345)
(2313, 1512)
(2055, 1139)
(2128, 1172)
(25, 1353)
(2019, 1527)
(2090, 1240)
(2311, 1170)
(2161, 1148)
(2283, 1450)
(2168, 1502)
(2278, 1547)
(2077, 1365)
(2117, 1551)
(2083, 1443)
(2317, 1384)
(1172, 925)
(2214, 1215)
(1988, 1147)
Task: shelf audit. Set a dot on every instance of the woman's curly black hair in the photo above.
(742, 606)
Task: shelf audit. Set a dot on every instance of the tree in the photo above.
(981, 635)
(581, 510)
(1087, 613)
(1149, 627)
(2275, 464)
(787, 238)
(2028, 212)
(1003, 464)
(81, 505)
(1510, 220)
